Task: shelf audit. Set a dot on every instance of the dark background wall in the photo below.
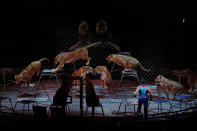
(33, 29)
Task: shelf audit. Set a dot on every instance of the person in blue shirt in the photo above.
(143, 97)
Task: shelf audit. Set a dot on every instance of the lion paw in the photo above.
(53, 70)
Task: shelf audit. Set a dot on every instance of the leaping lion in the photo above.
(81, 53)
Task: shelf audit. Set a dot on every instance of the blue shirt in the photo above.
(143, 92)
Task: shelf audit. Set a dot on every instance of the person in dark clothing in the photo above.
(84, 36)
(102, 32)
(143, 98)
(107, 47)
(60, 98)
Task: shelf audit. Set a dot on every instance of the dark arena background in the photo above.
(161, 34)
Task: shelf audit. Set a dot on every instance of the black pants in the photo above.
(145, 102)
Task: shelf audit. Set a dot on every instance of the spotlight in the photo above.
(183, 20)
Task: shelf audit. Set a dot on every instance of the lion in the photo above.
(81, 72)
(127, 62)
(178, 73)
(190, 75)
(80, 53)
(168, 85)
(27, 74)
(105, 76)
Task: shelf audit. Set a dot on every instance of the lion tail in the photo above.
(43, 59)
(93, 44)
(143, 67)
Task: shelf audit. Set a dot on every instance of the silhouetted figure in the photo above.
(60, 98)
(91, 98)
